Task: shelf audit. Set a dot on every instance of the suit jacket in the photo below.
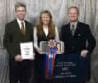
(82, 39)
(13, 37)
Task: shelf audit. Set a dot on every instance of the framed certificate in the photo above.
(27, 50)
(45, 47)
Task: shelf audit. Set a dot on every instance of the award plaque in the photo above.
(27, 50)
(44, 47)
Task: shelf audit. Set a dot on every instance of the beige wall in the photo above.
(58, 8)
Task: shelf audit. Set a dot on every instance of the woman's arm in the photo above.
(57, 34)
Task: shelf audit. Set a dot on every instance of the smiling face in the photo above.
(20, 12)
(73, 14)
(45, 19)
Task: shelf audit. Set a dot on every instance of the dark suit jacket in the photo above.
(82, 39)
(13, 37)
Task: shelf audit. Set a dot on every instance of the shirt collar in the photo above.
(74, 23)
(19, 22)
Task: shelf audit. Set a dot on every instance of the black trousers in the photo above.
(39, 69)
(21, 71)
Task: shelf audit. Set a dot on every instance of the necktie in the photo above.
(22, 28)
(73, 29)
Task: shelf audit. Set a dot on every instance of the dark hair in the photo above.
(74, 8)
(19, 5)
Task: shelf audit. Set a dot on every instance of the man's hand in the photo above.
(84, 53)
(18, 58)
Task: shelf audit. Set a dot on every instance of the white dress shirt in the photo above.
(19, 23)
(45, 29)
(75, 25)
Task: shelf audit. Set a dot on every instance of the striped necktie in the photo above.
(22, 28)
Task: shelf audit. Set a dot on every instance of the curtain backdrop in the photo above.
(58, 8)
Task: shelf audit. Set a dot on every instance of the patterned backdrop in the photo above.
(58, 8)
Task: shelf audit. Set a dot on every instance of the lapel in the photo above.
(68, 29)
(26, 26)
(77, 29)
(16, 25)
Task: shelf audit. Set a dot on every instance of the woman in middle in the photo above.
(44, 31)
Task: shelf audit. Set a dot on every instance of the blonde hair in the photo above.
(77, 9)
(51, 26)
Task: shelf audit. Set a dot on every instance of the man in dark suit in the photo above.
(16, 32)
(77, 38)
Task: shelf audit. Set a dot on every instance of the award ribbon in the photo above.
(50, 62)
